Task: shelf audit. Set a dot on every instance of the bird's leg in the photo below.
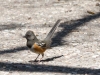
(42, 57)
(37, 57)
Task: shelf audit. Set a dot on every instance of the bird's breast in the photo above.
(37, 49)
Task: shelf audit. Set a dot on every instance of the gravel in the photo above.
(76, 43)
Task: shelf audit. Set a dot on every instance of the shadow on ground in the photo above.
(46, 60)
(13, 50)
(68, 27)
(5, 66)
(10, 26)
(51, 59)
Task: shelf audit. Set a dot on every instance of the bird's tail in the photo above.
(50, 34)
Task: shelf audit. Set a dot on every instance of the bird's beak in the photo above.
(24, 36)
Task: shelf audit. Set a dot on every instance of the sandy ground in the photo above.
(76, 42)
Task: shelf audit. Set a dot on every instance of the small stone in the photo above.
(90, 12)
(97, 4)
(29, 18)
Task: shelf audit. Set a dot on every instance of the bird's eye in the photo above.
(28, 35)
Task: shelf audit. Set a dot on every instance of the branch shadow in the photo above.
(5, 66)
(68, 27)
(13, 50)
(10, 26)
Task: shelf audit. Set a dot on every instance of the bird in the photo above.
(40, 46)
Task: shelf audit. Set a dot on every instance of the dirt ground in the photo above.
(76, 42)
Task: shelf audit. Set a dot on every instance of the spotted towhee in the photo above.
(38, 46)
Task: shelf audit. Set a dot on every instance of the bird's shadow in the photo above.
(51, 59)
(47, 60)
